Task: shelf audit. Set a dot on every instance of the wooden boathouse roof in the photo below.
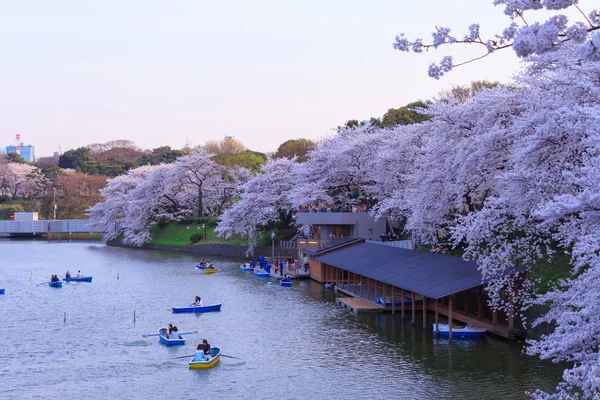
(432, 275)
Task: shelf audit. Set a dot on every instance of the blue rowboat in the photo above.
(329, 285)
(198, 266)
(246, 267)
(55, 284)
(462, 330)
(2, 291)
(208, 361)
(214, 307)
(75, 279)
(162, 334)
(397, 303)
(285, 283)
(261, 273)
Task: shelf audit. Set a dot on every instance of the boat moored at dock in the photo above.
(459, 330)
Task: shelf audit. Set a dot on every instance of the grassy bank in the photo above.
(176, 234)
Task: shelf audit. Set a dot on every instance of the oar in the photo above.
(151, 334)
(193, 355)
(225, 355)
(188, 333)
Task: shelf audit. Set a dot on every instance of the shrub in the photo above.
(196, 237)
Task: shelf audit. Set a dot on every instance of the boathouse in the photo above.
(379, 278)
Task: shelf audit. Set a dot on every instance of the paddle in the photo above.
(225, 355)
(222, 355)
(193, 355)
(158, 334)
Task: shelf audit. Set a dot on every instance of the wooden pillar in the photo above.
(437, 328)
(479, 304)
(467, 302)
(424, 312)
(337, 283)
(494, 318)
(450, 317)
(354, 284)
(361, 286)
(402, 304)
(413, 307)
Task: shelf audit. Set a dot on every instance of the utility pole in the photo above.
(204, 226)
(273, 247)
(54, 206)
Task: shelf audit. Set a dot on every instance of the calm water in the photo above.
(293, 343)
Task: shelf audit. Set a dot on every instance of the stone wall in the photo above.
(213, 249)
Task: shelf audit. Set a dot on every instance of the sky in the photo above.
(159, 73)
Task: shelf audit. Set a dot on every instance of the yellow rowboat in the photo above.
(210, 271)
(213, 359)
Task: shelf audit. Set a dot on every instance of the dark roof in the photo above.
(429, 274)
(332, 245)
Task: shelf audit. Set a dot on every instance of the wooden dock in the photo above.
(358, 305)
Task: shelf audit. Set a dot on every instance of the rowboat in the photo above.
(75, 279)
(162, 334)
(213, 359)
(210, 271)
(460, 330)
(55, 284)
(329, 286)
(285, 282)
(397, 303)
(2, 291)
(246, 267)
(261, 273)
(214, 307)
(203, 266)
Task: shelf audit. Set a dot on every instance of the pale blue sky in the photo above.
(157, 72)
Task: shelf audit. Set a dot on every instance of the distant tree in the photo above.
(228, 146)
(461, 94)
(53, 172)
(75, 158)
(74, 194)
(405, 115)
(120, 155)
(249, 159)
(14, 158)
(352, 123)
(161, 155)
(298, 148)
(46, 162)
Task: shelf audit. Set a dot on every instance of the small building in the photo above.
(329, 226)
(382, 275)
(26, 216)
(26, 151)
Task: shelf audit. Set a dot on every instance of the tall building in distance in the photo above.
(26, 151)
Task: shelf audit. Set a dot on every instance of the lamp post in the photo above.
(204, 226)
(273, 246)
(54, 201)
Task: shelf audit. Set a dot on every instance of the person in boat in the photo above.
(206, 348)
(198, 301)
(286, 278)
(79, 274)
(68, 274)
(252, 264)
(199, 356)
(54, 278)
(175, 333)
(169, 330)
(210, 266)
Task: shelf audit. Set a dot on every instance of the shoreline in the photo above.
(211, 249)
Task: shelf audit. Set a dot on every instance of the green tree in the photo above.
(462, 94)
(252, 160)
(15, 158)
(404, 115)
(295, 147)
(161, 155)
(75, 158)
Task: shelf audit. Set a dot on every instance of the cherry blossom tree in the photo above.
(524, 37)
(264, 199)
